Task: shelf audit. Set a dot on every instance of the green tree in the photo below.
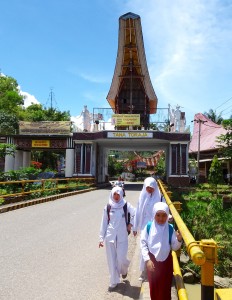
(215, 172)
(8, 123)
(10, 97)
(160, 167)
(37, 113)
(7, 149)
(114, 167)
(225, 140)
(212, 115)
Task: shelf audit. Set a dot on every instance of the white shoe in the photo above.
(112, 286)
(142, 276)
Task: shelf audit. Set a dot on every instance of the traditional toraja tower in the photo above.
(131, 91)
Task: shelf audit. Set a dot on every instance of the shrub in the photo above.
(207, 219)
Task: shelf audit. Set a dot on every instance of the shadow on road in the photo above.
(128, 290)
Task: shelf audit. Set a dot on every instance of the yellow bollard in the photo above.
(177, 205)
(209, 248)
(223, 294)
(169, 194)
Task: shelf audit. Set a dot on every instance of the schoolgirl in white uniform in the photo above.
(156, 245)
(114, 232)
(149, 195)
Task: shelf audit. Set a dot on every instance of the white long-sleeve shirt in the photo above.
(117, 225)
(175, 244)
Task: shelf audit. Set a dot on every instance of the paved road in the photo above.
(50, 251)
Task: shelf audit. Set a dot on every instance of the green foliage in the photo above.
(7, 149)
(199, 195)
(212, 115)
(37, 113)
(225, 140)
(114, 167)
(160, 167)
(47, 159)
(215, 172)
(10, 97)
(206, 220)
(8, 123)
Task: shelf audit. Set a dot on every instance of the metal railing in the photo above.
(24, 188)
(203, 253)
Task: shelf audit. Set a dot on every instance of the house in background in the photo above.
(204, 141)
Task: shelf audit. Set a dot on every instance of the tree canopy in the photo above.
(10, 97)
(36, 113)
(225, 140)
(12, 109)
(212, 115)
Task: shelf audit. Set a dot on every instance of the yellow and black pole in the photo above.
(209, 247)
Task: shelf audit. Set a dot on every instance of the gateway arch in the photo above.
(131, 93)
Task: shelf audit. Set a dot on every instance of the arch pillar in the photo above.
(9, 163)
(69, 162)
(18, 163)
(84, 159)
(178, 164)
(102, 165)
(26, 159)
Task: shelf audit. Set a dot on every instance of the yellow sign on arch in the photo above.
(40, 143)
(126, 120)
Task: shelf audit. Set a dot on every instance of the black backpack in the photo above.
(127, 214)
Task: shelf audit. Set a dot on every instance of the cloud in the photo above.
(188, 47)
(29, 99)
(94, 78)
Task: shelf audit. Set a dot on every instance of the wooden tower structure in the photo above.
(131, 90)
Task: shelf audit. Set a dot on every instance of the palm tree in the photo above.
(212, 115)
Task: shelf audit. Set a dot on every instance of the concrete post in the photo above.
(69, 163)
(18, 160)
(26, 159)
(9, 163)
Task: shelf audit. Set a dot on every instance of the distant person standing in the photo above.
(149, 195)
(114, 230)
(177, 116)
(158, 238)
(86, 119)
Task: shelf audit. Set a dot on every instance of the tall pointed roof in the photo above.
(131, 48)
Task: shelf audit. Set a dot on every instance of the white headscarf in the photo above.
(151, 182)
(145, 197)
(158, 239)
(112, 202)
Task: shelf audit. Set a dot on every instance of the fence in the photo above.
(14, 191)
(202, 253)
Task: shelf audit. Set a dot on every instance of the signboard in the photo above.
(126, 120)
(141, 164)
(129, 134)
(40, 144)
(45, 127)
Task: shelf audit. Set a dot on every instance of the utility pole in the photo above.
(199, 146)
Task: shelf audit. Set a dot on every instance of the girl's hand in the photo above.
(134, 233)
(150, 266)
(129, 227)
(101, 244)
(179, 236)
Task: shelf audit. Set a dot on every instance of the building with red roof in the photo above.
(204, 143)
